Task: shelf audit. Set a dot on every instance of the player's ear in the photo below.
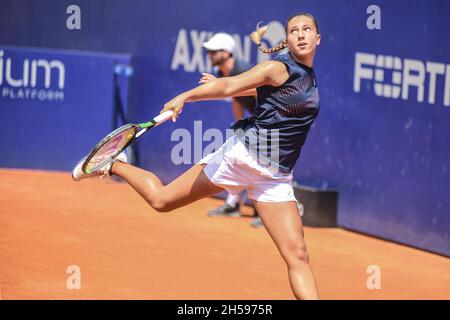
(318, 39)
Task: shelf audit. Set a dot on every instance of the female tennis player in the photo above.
(288, 104)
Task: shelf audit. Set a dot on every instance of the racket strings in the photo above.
(110, 148)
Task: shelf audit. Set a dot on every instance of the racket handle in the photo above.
(163, 117)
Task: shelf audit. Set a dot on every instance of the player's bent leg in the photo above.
(192, 185)
(283, 223)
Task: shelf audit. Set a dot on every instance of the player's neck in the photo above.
(307, 61)
(226, 67)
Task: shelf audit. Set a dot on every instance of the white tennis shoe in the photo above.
(105, 171)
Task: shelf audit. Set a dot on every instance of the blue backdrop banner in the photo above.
(383, 73)
(54, 105)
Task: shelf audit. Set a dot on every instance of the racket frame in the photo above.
(140, 129)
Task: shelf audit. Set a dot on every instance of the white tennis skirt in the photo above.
(234, 169)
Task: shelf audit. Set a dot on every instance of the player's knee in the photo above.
(161, 206)
(296, 253)
(157, 201)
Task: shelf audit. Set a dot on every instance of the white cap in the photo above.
(220, 41)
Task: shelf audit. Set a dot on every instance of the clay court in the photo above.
(125, 250)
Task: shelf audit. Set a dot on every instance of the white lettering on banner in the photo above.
(31, 94)
(182, 57)
(413, 76)
(35, 73)
(447, 86)
(434, 69)
(197, 57)
(73, 22)
(47, 66)
(405, 74)
(191, 57)
(374, 20)
(181, 54)
(35, 64)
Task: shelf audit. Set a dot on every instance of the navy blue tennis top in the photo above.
(279, 125)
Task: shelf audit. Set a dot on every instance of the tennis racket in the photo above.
(114, 143)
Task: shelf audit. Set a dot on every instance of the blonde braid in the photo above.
(257, 36)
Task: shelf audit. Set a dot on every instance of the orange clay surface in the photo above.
(125, 250)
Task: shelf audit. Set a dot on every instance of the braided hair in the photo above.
(257, 35)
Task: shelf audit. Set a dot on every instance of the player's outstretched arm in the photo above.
(207, 77)
(267, 73)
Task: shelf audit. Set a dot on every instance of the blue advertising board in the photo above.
(381, 135)
(54, 105)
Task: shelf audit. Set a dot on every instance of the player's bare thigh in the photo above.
(192, 185)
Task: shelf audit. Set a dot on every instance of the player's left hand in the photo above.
(206, 77)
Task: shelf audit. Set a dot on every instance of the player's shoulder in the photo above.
(272, 66)
(283, 57)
